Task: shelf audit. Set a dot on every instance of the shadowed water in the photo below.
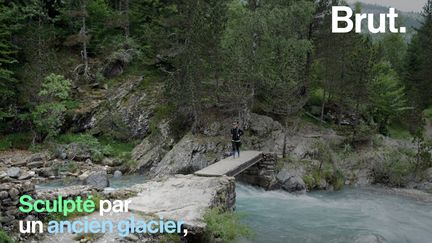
(345, 216)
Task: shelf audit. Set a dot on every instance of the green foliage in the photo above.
(393, 169)
(418, 76)
(225, 225)
(170, 238)
(423, 151)
(428, 113)
(309, 181)
(48, 115)
(8, 16)
(326, 170)
(161, 112)
(399, 131)
(262, 51)
(4, 237)
(15, 141)
(98, 151)
(394, 50)
(101, 147)
(387, 96)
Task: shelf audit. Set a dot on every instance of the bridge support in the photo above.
(262, 174)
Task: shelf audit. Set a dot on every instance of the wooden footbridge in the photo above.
(230, 166)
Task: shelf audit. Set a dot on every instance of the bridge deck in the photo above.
(230, 166)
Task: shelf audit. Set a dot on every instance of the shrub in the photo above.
(101, 147)
(15, 141)
(4, 237)
(48, 115)
(225, 225)
(97, 150)
(394, 169)
(309, 181)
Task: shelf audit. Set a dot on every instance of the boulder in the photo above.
(283, 176)
(263, 125)
(190, 154)
(294, 184)
(27, 186)
(117, 174)
(291, 183)
(13, 193)
(46, 172)
(111, 162)
(147, 154)
(27, 175)
(78, 152)
(98, 179)
(14, 172)
(36, 157)
(3, 175)
(35, 164)
(3, 194)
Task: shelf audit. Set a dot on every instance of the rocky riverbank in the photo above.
(181, 198)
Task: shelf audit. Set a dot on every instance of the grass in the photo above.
(225, 225)
(16, 141)
(100, 147)
(170, 238)
(4, 237)
(428, 113)
(398, 131)
(96, 198)
(161, 112)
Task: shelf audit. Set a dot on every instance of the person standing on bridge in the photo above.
(236, 133)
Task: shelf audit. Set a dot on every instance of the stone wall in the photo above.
(262, 174)
(10, 192)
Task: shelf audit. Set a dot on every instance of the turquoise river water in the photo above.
(350, 215)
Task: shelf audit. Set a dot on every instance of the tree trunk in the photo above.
(126, 14)
(323, 106)
(83, 33)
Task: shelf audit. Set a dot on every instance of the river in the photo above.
(343, 216)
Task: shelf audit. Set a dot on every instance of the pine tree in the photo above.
(7, 50)
(419, 68)
(199, 25)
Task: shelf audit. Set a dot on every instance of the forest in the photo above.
(111, 95)
(272, 57)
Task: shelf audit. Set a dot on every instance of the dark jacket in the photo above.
(236, 134)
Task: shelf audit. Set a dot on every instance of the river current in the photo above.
(350, 215)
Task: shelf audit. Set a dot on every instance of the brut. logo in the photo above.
(345, 23)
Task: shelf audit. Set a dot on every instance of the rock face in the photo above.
(190, 154)
(125, 114)
(184, 197)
